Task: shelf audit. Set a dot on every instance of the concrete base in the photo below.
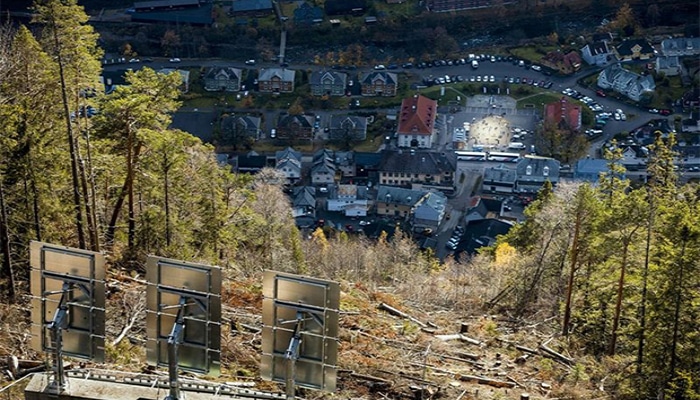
(85, 386)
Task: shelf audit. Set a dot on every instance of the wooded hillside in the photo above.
(596, 295)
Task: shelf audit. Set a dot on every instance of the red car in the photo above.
(600, 93)
(665, 112)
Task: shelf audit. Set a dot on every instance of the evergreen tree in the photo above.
(73, 44)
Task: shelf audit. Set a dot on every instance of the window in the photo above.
(528, 170)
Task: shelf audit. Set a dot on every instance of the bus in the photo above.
(503, 157)
(471, 155)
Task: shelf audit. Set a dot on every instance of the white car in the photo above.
(536, 68)
(364, 223)
(492, 78)
(175, 60)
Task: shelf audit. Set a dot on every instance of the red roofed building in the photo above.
(564, 63)
(417, 122)
(563, 114)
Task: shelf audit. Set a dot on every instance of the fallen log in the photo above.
(556, 355)
(370, 378)
(464, 360)
(470, 356)
(469, 340)
(482, 380)
(446, 338)
(526, 349)
(393, 311)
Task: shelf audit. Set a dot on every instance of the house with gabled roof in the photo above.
(626, 82)
(304, 201)
(255, 8)
(347, 127)
(340, 7)
(416, 126)
(397, 202)
(288, 161)
(323, 169)
(345, 163)
(276, 80)
(634, 156)
(482, 233)
(499, 179)
(294, 127)
(533, 171)
(367, 165)
(669, 65)
(429, 212)
(565, 63)
(234, 127)
(306, 14)
(249, 163)
(564, 114)
(691, 98)
(379, 83)
(418, 169)
(590, 169)
(692, 124)
(351, 200)
(328, 82)
(597, 53)
(681, 47)
(194, 12)
(634, 49)
(482, 208)
(222, 79)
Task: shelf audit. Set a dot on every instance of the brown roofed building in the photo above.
(563, 114)
(564, 63)
(379, 83)
(417, 122)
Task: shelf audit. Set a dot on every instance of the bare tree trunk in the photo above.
(35, 202)
(166, 183)
(128, 182)
(88, 209)
(677, 311)
(94, 230)
(130, 191)
(618, 303)
(572, 272)
(7, 270)
(643, 300)
(83, 171)
(77, 205)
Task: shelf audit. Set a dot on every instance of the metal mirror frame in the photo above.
(169, 282)
(312, 306)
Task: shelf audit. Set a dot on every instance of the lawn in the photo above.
(531, 53)
(538, 100)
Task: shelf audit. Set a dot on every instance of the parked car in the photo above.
(250, 62)
(665, 112)
(175, 60)
(600, 93)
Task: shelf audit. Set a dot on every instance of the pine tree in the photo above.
(73, 44)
